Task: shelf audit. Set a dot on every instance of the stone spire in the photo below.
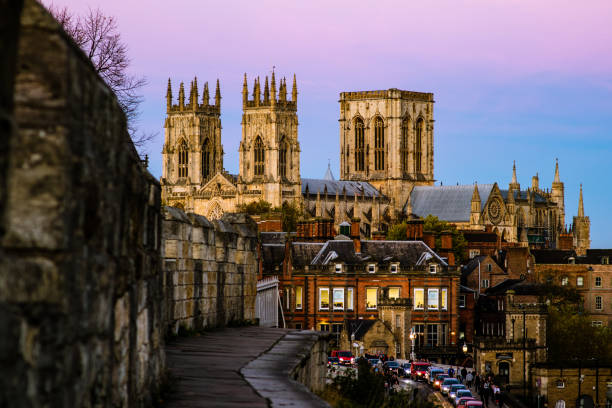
(181, 97)
(318, 212)
(245, 91)
(282, 93)
(266, 94)
(294, 90)
(206, 96)
(514, 185)
(218, 95)
(194, 104)
(328, 174)
(256, 93)
(580, 204)
(169, 97)
(535, 182)
(557, 178)
(476, 206)
(273, 90)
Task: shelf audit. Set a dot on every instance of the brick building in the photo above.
(325, 284)
(590, 274)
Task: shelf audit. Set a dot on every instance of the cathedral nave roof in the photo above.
(352, 188)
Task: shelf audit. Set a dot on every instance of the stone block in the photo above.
(171, 248)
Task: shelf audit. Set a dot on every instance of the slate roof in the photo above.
(552, 256)
(479, 236)
(272, 237)
(359, 327)
(352, 188)
(453, 203)
(520, 287)
(302, 253)
(594, 256)
(473, 264)
(272, 256)
(407, 253)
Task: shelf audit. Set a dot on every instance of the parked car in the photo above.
(439, 380)
(446, 384)
(461, 401)
(461, 393)
(432, 372)
(392, 366)
(346, 357)
(333, 361)
(418, 370)
(472, 404)
(406, 369)
(452, 391)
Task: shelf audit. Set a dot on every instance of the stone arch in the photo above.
(419, 132)
(379, 142)
(359, 134)
(215, 211)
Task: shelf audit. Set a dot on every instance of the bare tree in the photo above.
(97, 35)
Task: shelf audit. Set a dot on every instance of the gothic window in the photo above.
(418, 150)
(404, 144)
(183, 159)
(259, 157)
(206, 159)
(379, 144)
(359, 145)
(282, 158)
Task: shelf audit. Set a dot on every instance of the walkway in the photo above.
(206, 369)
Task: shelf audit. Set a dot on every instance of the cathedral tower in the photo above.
(386, 138)
(192, 151)
(582, 229)
(269, 149)
(557, 195)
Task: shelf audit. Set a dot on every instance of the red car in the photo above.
(345, 357)
(418, 369)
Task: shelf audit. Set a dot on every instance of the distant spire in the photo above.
(256, 93)
(181, 96)
(557, 178)
(245, 91)
(294, 90)
(218, 95)
(273, 89)
(476, 194)
(195, 94)
(266, 92)
(514, 172)
(206, 97)
(169, 96)
(580, 204)
(328, 174)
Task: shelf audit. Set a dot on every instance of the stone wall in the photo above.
(80, 271)
(210, 269)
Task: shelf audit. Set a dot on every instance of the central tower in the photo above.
(386, 139)
(269, 149)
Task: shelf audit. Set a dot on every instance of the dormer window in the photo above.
(571, 260)
(338, 268)
(371, 268)
(605, 260)
(433, 268)
(393, 268)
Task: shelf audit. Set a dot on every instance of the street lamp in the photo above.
(464, 348)
(412, 338)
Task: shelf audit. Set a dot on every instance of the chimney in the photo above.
(446, 238)
(429, 239)
(414, 230)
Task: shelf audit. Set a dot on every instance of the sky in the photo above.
(529, 81)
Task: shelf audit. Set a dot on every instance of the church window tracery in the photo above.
(282, 158)
(259, 157)
(359, 145)
(379, 144)
(206, 159)
(404, 144)
(417, 146)
(183, 159)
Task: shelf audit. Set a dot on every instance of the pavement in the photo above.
(237, 367)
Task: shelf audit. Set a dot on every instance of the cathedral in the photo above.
(386, 167)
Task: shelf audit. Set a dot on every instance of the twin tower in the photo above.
(193, 176)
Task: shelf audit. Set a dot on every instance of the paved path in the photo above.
(206, 369)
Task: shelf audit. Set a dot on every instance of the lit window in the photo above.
(338, 268)
(605, 260)
(433, 268)
(419, 298)
(298, 298)
(444, 299)
(394, 293)
(474, 253)
(598, 303)
(371, 298)
(349, 298)
(564, 281)
(485, 283)
(393, 268)
(371, 268)
(462, 301)
(338, 298)
(598, 281)
(432, 298)
(580, 281)
(597, 323)
(324, 298)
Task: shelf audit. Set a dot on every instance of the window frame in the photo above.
(338, 268)
(462, 299)
(418, 145)
(321, 290)
(259, 157)
(379, 144)
(433, 268)
(350, 304)
(580, 281)
(282, 157)
(443, 298)
(299, 300)
(359, 128)
(395, 266)
(399, 292)
(206, 156)
(415, 305)
(371, 268)
(564, 281)
(369, 288)
(183, 159)
(437, 297)
(598, 303)
(598, 281)
(334, 291)
(484, 283)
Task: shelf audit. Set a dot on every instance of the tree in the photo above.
(255, 207)
(433, 224)
(397, 232)
(96, 34)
